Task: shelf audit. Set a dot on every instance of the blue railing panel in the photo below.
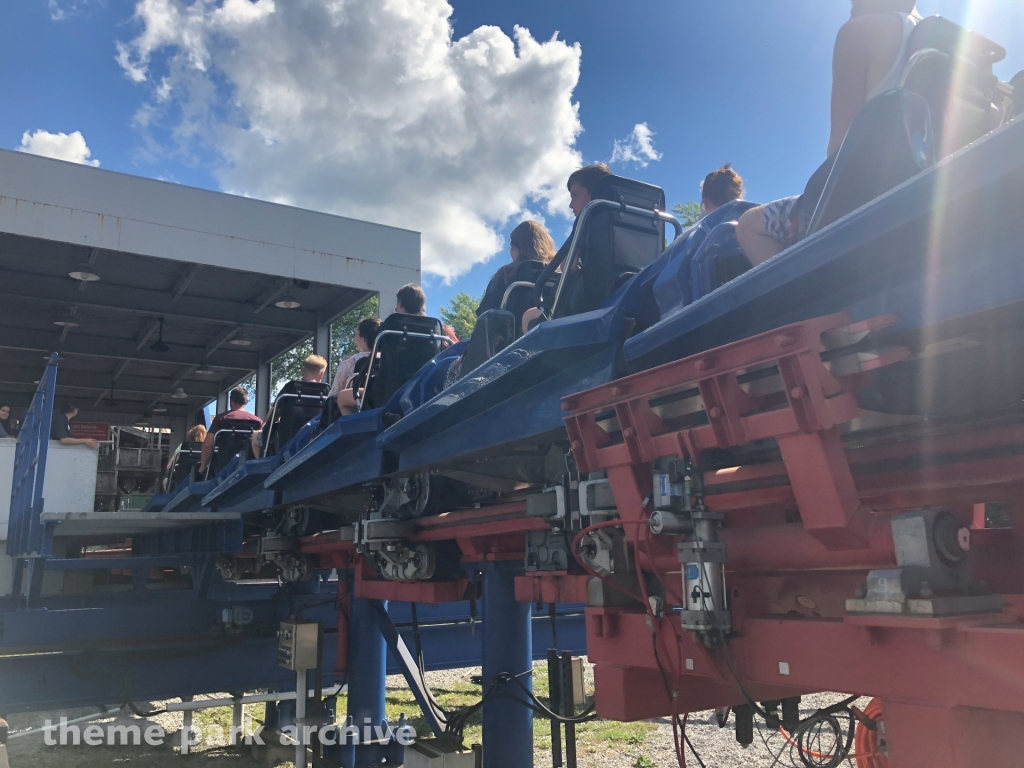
(25, 533)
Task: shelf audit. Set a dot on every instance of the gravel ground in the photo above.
(716, 746)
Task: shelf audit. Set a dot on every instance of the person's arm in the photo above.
(206, 453)
(80, 441)
(850, 60)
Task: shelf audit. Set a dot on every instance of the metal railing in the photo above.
(29, 542)
(373, 354)
(654, 215)
(508, 291)
(272, 418)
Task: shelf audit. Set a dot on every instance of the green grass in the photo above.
(591, 737)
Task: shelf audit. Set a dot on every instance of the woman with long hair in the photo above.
(529, 242)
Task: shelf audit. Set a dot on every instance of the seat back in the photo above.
(889, 141)
(718, 261)
(232, 437)
(494, 330)
(947, 99)
(404, 345)
(1017, 83)
(676, 285)
(615, 245)
(520, 298)
(297, 404)
(184, 464)
(951, 67)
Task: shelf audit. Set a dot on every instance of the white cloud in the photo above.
(366, 108)
(65, 9)
(60, 146)
(637, 148)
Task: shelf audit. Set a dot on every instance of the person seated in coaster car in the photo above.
(582, 186)
(302, 399)
(720, 187)
(870, 51)
(410, 301)
(365, 335)
(185, 458)
(531, 248)
(229, 433)
(906, 93)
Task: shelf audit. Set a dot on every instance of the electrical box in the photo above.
(434, 753)
(296, 645)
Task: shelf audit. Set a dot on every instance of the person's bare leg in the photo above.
(529, 316)
(347, 402)
(754, 239)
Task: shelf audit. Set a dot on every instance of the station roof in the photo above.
(219, 269)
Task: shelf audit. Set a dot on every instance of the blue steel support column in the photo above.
(367, 656)
(508, 647)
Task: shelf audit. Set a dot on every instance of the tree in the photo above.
(460, 313)
(687, 213)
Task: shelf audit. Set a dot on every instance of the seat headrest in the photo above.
(302, 387)
(952, 39)
(630, 192)
(242, 425)
(412, 323)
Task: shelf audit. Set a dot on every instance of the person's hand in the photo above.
(91, 443)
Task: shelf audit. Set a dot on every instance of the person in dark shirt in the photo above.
(237, 401)
(529, 241)
(582, 186)
(60, 428)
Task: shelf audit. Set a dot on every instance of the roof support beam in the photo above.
(69, 377)
(104, 347)
(185, 281)
(112, 297)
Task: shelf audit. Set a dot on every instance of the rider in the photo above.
(582, 185)
(237, 400)
(869, 54)
(720, 187)
(528, 242)
(313, 368)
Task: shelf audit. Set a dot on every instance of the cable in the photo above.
(690, 745)
(131, 706)
(576, 553)
(867, 739)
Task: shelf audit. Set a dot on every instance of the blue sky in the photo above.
(745, 81)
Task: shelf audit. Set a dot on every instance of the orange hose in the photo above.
(866, 741)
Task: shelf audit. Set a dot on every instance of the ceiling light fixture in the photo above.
(85, 273)
(67, 320)
(241, 340)
(159, 409)
(288, 302)
(158, 346)
(204, 371)
(179, 394)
